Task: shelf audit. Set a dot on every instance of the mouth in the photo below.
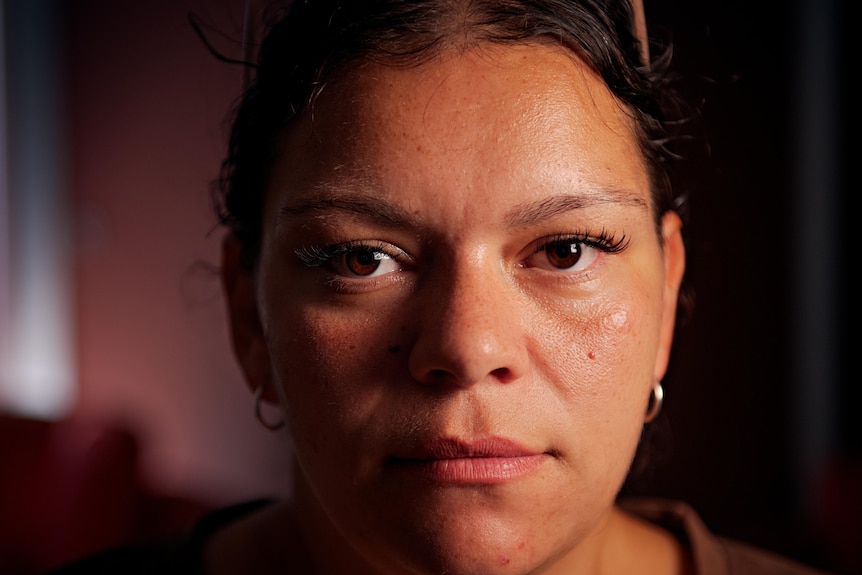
(483, 462)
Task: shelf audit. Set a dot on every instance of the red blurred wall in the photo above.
(146, 110)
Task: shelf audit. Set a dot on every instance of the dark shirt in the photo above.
(177, 555)
(711, 555)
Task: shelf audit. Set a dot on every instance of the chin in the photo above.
(471, 558)
(479, 542)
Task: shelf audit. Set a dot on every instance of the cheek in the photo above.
(601, 359)
(322, 361)
(608, 339)
(618, 342)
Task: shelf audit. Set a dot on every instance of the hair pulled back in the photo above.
(311, 41)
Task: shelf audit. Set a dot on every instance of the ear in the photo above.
(674, 268)
(246, 330)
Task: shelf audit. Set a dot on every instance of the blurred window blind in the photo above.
(37, 374)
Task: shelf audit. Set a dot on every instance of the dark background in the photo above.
(760, 431)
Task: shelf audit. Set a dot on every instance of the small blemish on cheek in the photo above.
(618, 320)
(591, 355)
(504, 560)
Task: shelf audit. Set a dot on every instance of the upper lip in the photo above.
(453, 448)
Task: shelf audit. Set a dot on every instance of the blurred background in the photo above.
(123, 415)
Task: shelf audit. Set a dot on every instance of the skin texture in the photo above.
(467, 335)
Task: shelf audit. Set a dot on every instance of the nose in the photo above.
(468, 330)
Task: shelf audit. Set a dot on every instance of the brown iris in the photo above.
(563, 255)
(362, 262)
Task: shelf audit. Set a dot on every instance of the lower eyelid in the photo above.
(349, 285)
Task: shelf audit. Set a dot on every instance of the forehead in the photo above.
(531, 115)
(515, 87)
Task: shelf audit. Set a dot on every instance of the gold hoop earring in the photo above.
(258, 398)
(655, 400)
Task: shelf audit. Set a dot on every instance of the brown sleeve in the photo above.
(709, 554)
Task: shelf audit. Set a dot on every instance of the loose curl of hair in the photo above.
(310, 42)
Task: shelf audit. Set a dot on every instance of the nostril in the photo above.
(503, 375)
(444, 377)
(438, 377)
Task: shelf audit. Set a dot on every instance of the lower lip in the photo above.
(471, 470)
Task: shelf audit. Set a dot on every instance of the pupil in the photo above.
(563, 254)
(362, 262)
(365, 258)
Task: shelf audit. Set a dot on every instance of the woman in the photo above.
(453, 261)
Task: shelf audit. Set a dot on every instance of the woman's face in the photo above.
(465, 305)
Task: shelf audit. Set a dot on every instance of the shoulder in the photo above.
(180, 554)
(708, 553)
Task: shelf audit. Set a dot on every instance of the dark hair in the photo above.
(311, 41)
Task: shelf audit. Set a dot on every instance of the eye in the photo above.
(563, 255)
(364, 261)
(573, 252)
(355, 259)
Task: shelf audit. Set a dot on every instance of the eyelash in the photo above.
(603, 241)
(316, 256)
(326, 255)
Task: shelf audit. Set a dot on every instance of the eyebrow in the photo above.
(522, 215)
(357, 204)
(529, 213)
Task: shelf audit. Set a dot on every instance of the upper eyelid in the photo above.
(317, 255)
(604, 240)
